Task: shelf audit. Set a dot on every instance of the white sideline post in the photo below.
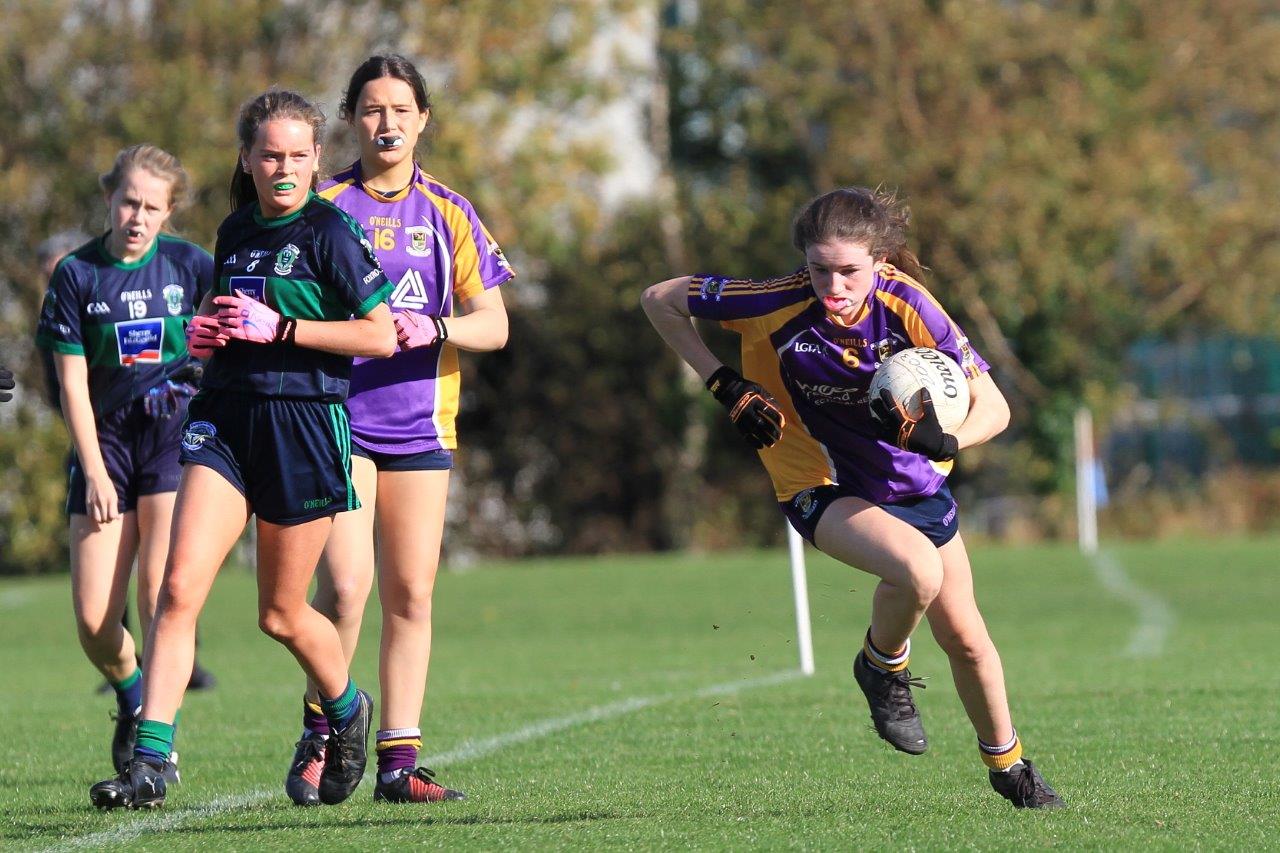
(800, 585)
(1086, 485)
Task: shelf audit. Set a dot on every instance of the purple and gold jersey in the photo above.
(436, 251)
(820, 371)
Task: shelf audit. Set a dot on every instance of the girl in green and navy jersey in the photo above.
(113, 320)
(299, 293)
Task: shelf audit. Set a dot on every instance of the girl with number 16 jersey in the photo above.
(446, 269)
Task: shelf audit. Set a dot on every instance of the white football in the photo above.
(906, 373)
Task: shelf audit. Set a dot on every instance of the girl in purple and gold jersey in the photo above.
(446, 269)
(861, 480)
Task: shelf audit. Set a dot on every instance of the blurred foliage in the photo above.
(1081, 174)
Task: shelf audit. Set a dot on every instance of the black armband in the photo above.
(442, 331)
(287, 330)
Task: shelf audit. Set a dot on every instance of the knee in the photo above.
(412, 603)
(96, 632)
(965, 647)
(348, 599)
(278, 624)
(924, 575)
(178, 599)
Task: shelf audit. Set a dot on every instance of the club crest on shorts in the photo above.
(285, 259)
(805, 503)
(196, 434)
(173, 299)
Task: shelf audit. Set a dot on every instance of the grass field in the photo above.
(651, 702)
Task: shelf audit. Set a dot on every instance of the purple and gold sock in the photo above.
(1001, 756)
(883, 660)
(397, 751)
(129, 694)
(314, 722)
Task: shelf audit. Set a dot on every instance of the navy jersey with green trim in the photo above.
(126, 319)
(314, 264)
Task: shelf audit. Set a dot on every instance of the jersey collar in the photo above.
(126, 265)
(280, 220)
(400, 195)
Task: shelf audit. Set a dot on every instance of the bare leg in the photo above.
(345, 574)
(866, 537)
(155, 518)
(208, 517)
(410, 528)
(287, 557)
(975, 664)
(101, 562)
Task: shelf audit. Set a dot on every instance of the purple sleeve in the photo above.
(713, 297)
(494, 269)
(947, 336)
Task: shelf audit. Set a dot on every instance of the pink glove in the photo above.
(415, 330)
(204, 335)
(245, 318)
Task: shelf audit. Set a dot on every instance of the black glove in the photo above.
(921, 434)
(6, 384)
(752, 410)
(192, 372)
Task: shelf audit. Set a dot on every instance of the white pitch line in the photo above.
(468, 751)
(1155, 616)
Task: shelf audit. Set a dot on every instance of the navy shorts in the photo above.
(935, 515)
(291, 459)
(140, 452)
(425, 460)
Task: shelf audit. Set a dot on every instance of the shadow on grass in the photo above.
(414, 817)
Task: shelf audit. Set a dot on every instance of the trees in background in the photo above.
(1081, 174)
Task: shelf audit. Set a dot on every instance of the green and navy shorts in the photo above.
(290, 458)
(140, 453)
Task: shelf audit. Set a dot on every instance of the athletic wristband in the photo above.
(442, 331)
(287, 330)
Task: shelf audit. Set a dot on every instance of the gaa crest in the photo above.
(285, 259)
(173, 299)
(418, 245)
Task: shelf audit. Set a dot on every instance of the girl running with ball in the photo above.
(864, 480)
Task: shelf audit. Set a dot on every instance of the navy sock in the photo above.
(129, 694)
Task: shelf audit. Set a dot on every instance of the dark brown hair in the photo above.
(875, 219)
(270, 105)
(375, 68)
